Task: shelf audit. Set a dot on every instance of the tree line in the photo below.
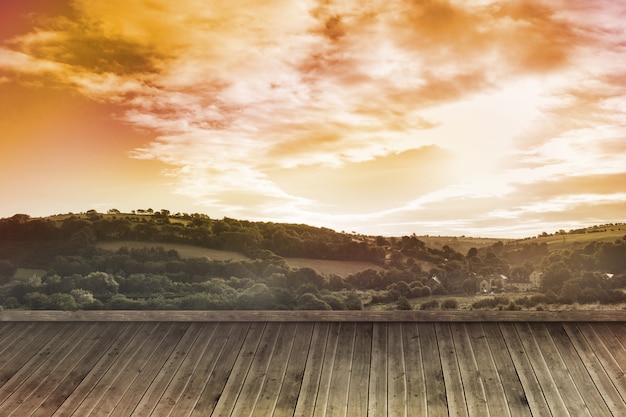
(81, 275)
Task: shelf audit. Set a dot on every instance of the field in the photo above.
(460, 244)
(185, 251)
(341, 268)
(596, 234)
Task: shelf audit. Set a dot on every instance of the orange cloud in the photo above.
(253, 98)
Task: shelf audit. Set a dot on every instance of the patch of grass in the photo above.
(185, 251)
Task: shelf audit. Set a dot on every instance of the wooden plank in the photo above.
(473, 384)
(28, 366)
(12, 332)
(6, 328)
(213, 378)
(275, 374)
(504, 365)
(16, 354)
(307, 397)
(113, 383)
(143, 376)
(377, 403)
(327, 363)
(578, 371)
(360, 375)
(310, 315)
(341, 372)
(533, 392)
(72, 371)
(38, 385)
(619, 329)
(415, 380)
(451, 374)
(436, 399)
(230, 394)
(294, 375)
(148, 387)
(592, 364)
(257, 373)
(561, 375)
(396, 372)
(487, 371)
(181, 378)
(609, 351)
(542, 370)
(80, 393)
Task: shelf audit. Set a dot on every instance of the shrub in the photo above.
(613, 297)
(403, 304)
(60, 301)
(205, 301)
(421, 291)
(120, 302)
(511, 307)
(36, 300)
(334, 302)
(309, 301)
(491, 302)
(449, 304)
(439, 290)
(353, 301)
(429, 305)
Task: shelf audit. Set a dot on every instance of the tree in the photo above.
(309, 301)
(403, 304)
(7, 270)
(101, 284)
(555, 276)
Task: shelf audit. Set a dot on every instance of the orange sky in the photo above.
(451, 117)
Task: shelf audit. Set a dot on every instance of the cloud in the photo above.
(375, 185)
(416, 109)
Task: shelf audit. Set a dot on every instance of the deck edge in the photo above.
(315, 316)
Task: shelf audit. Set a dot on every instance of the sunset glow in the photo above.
(390, 117)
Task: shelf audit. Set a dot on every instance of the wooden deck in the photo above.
(315, 368)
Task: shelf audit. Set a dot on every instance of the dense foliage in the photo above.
(77, 274)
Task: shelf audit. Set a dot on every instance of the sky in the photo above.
(383, 117)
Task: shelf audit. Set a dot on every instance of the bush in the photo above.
(205, 301)
(36, 301)
(613, 297)
(403, 304)
(450, 304)
(60, 301)
(334, 302)
(309, 301)
(120, 302)
(439, 290)
(491, 302)
(353, 301)
(421, 291)
(429, 305)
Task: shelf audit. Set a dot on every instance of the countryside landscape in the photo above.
(156, 260)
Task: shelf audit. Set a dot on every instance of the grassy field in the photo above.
(460, 244)
(604, 234)
(341, 268)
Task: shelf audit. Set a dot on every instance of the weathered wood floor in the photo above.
(312, 369)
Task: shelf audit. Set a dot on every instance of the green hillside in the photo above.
(159, 260)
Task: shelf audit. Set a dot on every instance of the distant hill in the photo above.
(159, 260)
